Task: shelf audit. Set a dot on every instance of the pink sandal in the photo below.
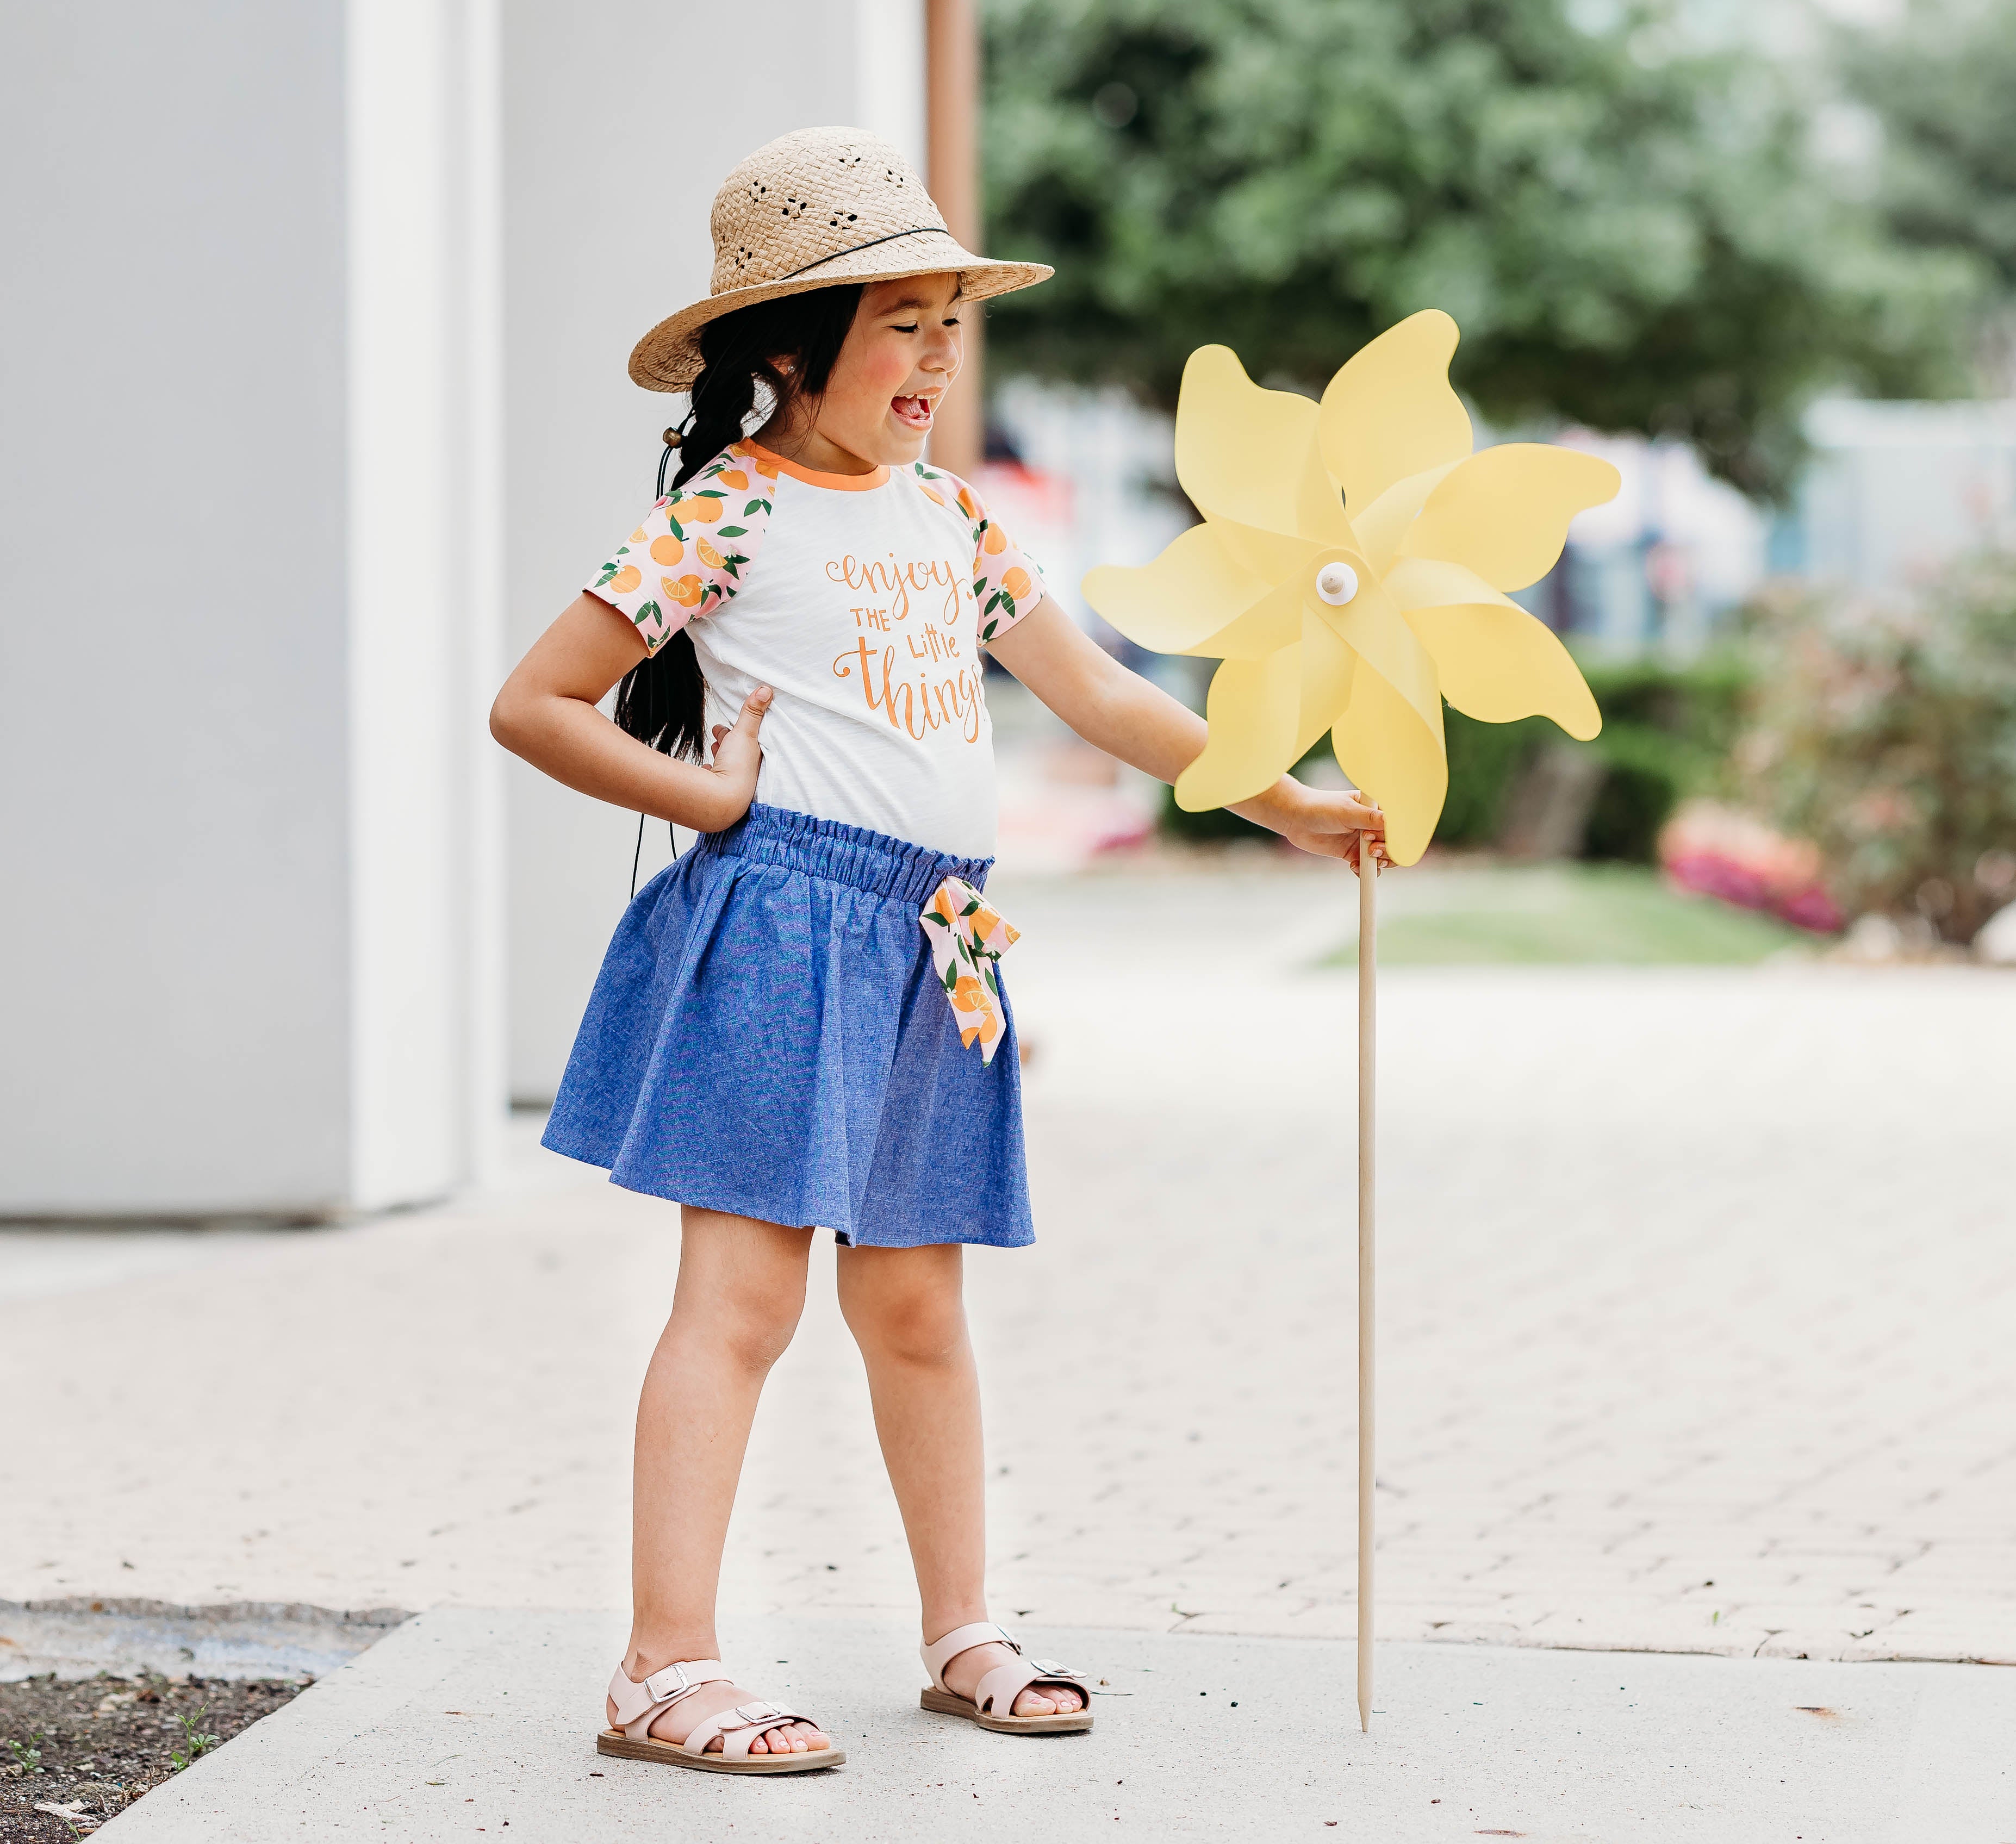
(638, 1705)
(995, 1695)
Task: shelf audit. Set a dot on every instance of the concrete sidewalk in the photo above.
(467, 1721)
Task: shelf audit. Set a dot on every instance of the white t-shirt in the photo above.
(862, 600)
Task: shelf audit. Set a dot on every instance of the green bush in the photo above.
(1645, 772)
(1885, 734)
(1701, 705)
(1485, 761)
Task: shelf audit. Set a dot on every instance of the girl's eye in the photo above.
(911, 328)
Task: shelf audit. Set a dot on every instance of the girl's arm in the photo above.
(1121, 713)
(546, 713)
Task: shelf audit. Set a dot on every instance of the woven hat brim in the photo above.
(668, 357)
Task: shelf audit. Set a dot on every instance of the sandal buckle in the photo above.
(657, 1689)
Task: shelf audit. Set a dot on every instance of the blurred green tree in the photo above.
(1942, 82)
(1632, 231)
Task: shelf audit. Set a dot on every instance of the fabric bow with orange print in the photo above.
(967, 936)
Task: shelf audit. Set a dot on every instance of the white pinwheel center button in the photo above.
(1336, 583)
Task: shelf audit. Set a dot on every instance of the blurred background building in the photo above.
(315, 414)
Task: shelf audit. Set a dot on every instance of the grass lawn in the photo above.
(1564, 914)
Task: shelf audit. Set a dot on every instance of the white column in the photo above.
(476, 414)
(425, 575)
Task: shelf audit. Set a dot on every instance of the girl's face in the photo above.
(899, 357)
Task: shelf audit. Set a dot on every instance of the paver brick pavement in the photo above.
(1697, 1293)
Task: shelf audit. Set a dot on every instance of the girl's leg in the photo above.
(741, 1288)
(904, 1308)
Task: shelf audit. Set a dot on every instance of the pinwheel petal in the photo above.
(1252, 710)
(1389, 413)
(1493, 660)
(1319, 505)
(1387, 750)
(1390, 740)
(1242, 452)
(1273, 556)
(1272, 623)
(1176, 604)
(1504, 513)
(1327, 666)
(1382, 526)
(1374, 629)
(1500, 665)
(1428, 582)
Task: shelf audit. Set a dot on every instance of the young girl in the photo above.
(798, 1023)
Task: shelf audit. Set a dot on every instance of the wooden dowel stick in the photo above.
(1368, 884)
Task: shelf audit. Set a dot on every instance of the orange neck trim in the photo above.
(837, 483)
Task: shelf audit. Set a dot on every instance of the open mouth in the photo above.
(912, 412)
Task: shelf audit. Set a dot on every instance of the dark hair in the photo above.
(662, 701)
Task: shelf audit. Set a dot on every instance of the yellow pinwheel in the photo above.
(1350, 572)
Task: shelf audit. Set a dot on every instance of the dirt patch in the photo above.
(89, 1747)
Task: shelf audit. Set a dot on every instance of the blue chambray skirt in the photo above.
(767, 1037)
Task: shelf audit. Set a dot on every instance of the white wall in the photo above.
(293, 404)
(173, 942)
(249, 870)
(609, 182)
(1894, 491)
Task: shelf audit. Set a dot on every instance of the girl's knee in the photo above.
(756, 1328)
(926, 1342)
(911, 1313)
(742, 1285)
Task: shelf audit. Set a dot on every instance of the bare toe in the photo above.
(1034, 1703)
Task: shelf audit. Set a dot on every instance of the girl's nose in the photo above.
(944, 354)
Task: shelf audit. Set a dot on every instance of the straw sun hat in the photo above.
(805, 211)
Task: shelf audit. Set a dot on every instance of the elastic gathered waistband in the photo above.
(842, 854)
